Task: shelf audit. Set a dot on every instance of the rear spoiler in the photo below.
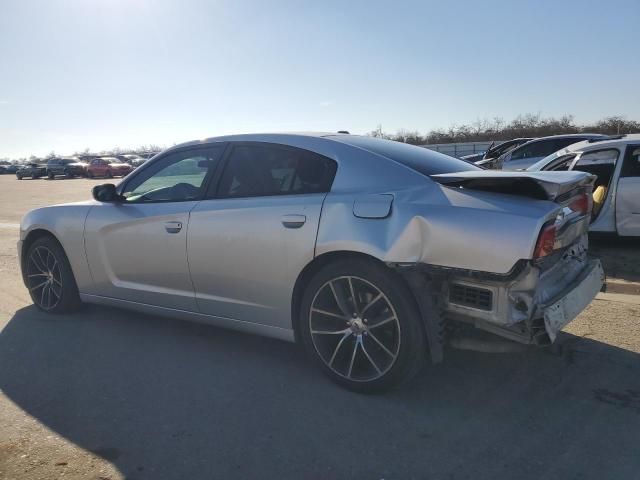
(537, 185)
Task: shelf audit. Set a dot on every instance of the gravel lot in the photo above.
(107, 394)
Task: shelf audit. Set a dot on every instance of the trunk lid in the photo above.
(555, 186)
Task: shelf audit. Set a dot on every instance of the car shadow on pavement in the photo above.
(619, 255)
(165, 399)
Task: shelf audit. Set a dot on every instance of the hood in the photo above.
(538, 185)
(120, 165)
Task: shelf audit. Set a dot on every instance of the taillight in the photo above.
(581, 204)
(546, 241)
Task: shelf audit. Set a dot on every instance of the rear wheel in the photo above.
(49, 277)
(19, 177)
(360, 323)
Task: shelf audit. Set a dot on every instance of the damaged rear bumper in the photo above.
(529, 305)
(561, 311)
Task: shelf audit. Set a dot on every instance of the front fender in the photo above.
(66, 224)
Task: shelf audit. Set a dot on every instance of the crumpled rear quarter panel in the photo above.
(438, 225)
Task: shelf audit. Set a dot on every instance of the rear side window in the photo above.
(255, 170)
(562, 163)
(599, 157)
(631, 165)
(420, 159)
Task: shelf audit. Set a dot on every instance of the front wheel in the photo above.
(51, 176)
(109, 174)
(49, 277)
(361, 325)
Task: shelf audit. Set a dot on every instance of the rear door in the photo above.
(248, 242)
(628, 194)
(137, 248)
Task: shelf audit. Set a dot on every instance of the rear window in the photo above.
(419, 159)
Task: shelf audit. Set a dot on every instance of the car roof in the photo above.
(569, 135)
(586, 146)
(258, 137)
(606, 141)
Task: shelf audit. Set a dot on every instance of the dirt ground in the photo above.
(108, 394)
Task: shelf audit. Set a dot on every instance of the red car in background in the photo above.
(108, 167)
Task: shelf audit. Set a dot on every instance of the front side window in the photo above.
(177, 177)
(264, 170)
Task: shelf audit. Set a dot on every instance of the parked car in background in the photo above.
(3, 169)
(526, 155)
(485, 158)
(13, 168)
(363, 250)
(32, 170)
(138, 162)
(616, 194)
(70, 167)
(129, 158)
(108, 167)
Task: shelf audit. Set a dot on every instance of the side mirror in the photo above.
(106, 193)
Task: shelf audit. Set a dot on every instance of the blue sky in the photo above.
(103, 73)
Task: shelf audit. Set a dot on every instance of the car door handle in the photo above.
(173, 227)
(293, 221)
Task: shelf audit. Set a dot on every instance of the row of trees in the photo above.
(481, 130)
(522, 126)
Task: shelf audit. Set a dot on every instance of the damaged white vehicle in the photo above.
(370, 253)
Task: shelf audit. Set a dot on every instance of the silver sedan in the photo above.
(372, 254)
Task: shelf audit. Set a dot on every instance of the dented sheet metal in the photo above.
(561, 312)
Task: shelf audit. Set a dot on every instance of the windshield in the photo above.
(420, 159)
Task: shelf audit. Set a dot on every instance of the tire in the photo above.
(49, 277)
(51, 176)
(362, 354)
(89, 175)
(19, 177)
(109, 174)
(68, 174)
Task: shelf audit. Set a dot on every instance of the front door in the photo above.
(249, 241)
(137, 248)
(628, 194)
